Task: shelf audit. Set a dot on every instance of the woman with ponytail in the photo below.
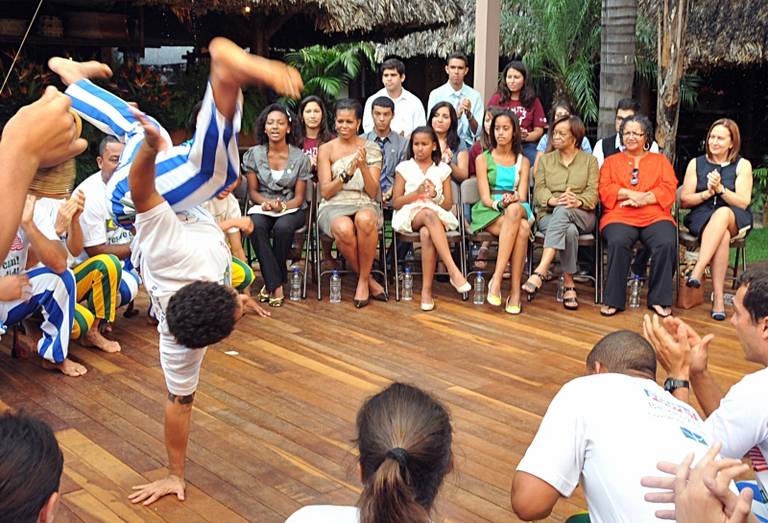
(404, 438)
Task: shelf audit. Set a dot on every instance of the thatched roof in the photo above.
(332, 16)
(719, 34)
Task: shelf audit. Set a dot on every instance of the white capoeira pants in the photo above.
(55, 295)
(186, 175)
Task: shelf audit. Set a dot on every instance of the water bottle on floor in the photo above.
(479, 297)
(560, 289)
(634, 293)
(407, 285)
(335, 287)
(296, 284)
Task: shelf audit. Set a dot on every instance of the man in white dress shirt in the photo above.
(409, 111)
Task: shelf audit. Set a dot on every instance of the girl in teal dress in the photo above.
(503, 209)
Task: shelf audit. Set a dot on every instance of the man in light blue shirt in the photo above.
(467, 101)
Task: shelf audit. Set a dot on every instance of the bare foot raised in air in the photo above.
(67, 367)
(93, 338)
(70, 71)
(231, 64)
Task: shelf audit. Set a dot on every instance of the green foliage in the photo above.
(327, 70)
(25, 85)
(760, 184)
(646, 63)
(559, 41)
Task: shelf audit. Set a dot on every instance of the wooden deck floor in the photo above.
(273, 424)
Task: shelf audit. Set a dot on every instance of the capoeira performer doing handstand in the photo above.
(183, 258)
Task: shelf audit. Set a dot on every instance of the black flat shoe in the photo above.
(359, 304)
(382, 296)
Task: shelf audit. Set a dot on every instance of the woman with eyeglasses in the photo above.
(637, 191)
(566, 197)
(718, 190)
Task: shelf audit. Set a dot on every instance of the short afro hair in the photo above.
(201, 313)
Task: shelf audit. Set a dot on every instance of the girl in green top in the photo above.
(503, 210)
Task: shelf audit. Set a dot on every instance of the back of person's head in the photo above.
(623, 352)
(202, 313)
(392, 63)
(628, 104)
(30, 469)
(384, 102)
(561, 104)
(756, 297)
(404, 437)
(349, 104)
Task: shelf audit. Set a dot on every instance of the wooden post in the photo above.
(487, 21)
(673, 22)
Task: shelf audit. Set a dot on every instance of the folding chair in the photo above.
(319, 236)
(692, 243)
(454, 238)
(302, 237)
(592, 239)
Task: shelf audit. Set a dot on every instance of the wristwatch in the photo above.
(672, 384)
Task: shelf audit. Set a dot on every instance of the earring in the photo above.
(646, 147)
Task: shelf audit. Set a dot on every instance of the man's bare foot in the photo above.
(93, 338)
(67, 367)
(231, 64)
(70, 71)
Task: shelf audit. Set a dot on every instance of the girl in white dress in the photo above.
(422, 200)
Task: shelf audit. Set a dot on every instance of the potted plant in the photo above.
(760, 190)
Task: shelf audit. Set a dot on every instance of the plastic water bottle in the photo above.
(407, 285)
(335, 287)
(634, 293)
(479, 297)
(296, 284)
(560, 289)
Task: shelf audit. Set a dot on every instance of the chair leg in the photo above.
(319, 261)
(397, 266)
(383, 260)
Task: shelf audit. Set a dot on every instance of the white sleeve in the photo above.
(93, 225)
(556, 454)
(367, 116)
(181, 365)
(45, 217)
(654, 147)
(597, 152)
(741, 420)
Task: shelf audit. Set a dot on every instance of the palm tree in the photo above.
(617, 58)
(564, 48)
(327, 70)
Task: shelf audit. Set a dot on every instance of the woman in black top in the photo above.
(718, 190)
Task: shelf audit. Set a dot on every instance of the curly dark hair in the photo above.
(201, 313)
(293, 135)
(30, 467)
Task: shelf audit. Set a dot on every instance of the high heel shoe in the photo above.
(509, 308)
(461, 289)
(692, 282)
(359, 304)
(263, 295)
(531, 288)
(717, 315)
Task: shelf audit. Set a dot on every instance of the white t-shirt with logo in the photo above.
(173, 250)
(325, 514)
(224, 209)
(610, 430)
(45, 219)
(96, 219)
